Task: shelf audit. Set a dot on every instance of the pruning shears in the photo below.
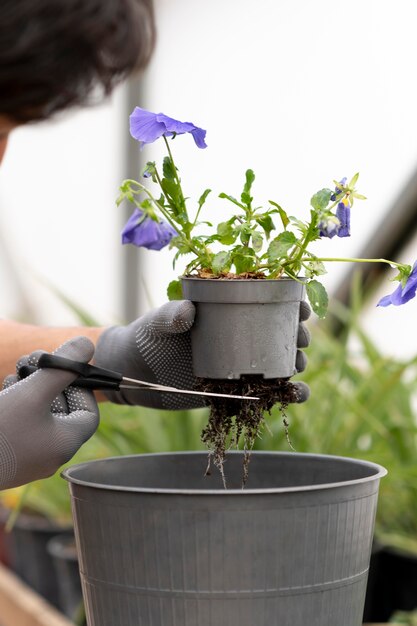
(93, 377)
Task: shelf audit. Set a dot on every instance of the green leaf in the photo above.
(243, 259)
(174, 197)
(321, 199)
(245, 233)
(353, 181)
(150, 169)
(246, 198)
(232, 199)
(257, 241)
(227, 234)
(250, 177)
(316, 268)
(174, 290)
(279, 247)
(302, 227)
(203, 198)
(265, 222)
(318, 298)
(221, 261)
(168, 168)
(284, 217)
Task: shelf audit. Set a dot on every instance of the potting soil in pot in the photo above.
(233, 421)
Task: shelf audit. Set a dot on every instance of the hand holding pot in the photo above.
(43, 421)
(303, 341)
(157, 348)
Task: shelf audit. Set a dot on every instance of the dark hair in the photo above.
(58, 53)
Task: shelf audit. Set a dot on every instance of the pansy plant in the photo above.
(255, 241)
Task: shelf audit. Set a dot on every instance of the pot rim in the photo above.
(300, 279)
(379, 470)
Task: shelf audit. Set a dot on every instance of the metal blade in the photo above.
(141, 384)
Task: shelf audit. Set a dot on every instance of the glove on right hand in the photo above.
(40, 427)
(157, 348)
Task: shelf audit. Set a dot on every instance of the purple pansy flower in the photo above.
(343, 215)
(329, 227)
(143, 231)
(401, 295)
(336, 225)
(337, 190)
(147, 127)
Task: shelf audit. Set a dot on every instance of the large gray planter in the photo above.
(244, 326)
(160, 544)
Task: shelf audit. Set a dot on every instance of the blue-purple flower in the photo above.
(329, 226)
(343, 215)
(145, 232)
(401, 295)
(147, 127)
(338, 224)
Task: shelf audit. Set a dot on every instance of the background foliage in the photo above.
(363, 404)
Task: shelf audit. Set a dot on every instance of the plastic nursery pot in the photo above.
(63, 551)
(160, 543)
(393, 578)
(29, 557)
(247, 326)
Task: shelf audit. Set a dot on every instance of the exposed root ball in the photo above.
(234, 421)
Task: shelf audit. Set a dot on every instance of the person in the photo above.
(57, 54)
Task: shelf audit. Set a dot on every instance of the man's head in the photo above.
(55, 54)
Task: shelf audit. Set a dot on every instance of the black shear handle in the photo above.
(90, 376)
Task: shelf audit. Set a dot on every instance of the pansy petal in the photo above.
(130, 226)
(199, 136)
(144, 126)
(329, 227)
(401, 295)
(385, 301)
(343, 215)
(147, 127)
(145, 232)
(174, 126)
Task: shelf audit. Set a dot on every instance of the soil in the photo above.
(233, 422)
(203, 273)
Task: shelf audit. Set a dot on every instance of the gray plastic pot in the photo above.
(64, 556)
(244, 326)
(160, 544)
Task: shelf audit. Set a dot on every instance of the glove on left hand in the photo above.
(43, 421)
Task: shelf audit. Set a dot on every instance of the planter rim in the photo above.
(245, 280)
(243, 290)
(379, 470)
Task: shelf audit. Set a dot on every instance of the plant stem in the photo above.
(167, 216)
(350, 260)
(177, 178)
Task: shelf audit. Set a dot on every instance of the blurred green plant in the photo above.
(362, 405)
(408, 619)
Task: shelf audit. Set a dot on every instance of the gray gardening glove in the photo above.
(157, 348)
(43, 421)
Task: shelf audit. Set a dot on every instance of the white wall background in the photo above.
(58, 220)
(302, 92)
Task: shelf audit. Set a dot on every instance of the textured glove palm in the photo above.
(43, 422)
(157, 348)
